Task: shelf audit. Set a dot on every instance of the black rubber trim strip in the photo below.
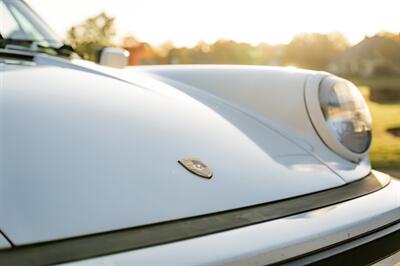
(129, 239)
(363, 250)
(16, 55)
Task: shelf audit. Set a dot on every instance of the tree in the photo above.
(164, 48)
(314, 50)
(91, 35)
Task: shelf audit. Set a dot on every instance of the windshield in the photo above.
(19, 22)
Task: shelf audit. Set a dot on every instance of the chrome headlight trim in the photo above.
(341, 121)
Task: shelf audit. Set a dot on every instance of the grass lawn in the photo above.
(385, 150)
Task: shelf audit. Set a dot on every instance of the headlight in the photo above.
(342, 118)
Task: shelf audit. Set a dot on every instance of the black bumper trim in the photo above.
(85, 247)
(364, 250)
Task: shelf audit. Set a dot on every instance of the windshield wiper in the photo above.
(4, 42)
(64, 50)
(35, 46)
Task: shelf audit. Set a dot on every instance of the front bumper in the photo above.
(256, 235)
(364, 250)
(359, 231)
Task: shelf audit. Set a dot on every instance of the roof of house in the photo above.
(369, 48)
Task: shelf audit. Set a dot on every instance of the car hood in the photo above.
(83, 153)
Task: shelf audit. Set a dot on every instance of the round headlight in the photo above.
(343, 120)
(346, 114)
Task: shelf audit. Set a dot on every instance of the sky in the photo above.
(185, 22)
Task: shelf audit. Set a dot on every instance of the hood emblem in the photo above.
(196, 167)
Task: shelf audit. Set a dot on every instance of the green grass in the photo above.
(385, 150)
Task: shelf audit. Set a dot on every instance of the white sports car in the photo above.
(182, 165)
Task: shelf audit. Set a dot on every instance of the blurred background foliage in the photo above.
(373, 65)
(91, 35)
(314, 51)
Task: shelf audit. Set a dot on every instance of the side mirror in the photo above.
(113, 57)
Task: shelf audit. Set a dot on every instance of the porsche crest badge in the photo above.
(197, 167)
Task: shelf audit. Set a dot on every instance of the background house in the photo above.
(379, 54)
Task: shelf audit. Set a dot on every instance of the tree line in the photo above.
(306, 50)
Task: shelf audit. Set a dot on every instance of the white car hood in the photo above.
(82, 153)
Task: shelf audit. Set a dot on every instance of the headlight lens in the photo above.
(346, 114)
